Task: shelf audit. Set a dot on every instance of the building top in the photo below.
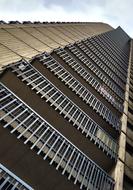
(26, 40)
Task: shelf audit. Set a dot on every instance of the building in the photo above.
(66, 106)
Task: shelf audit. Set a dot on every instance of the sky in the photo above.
(114, 12)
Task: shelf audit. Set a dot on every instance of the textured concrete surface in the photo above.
(19, 41)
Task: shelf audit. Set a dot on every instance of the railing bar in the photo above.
(88, 120)
(28, 128)
(34, 80)
(23, 73)
(90, 177)
(2, 90)
(72, 116)
(65, 77)
(57, 152)
(56, 100)
(68, 161)
(96, 179)
(4, 182)
(73, 166)
(74, 81)
(57, 66)
(12, 131)
(41, 89)
(57, 72)
(81, 122)
(69, 111)
(77, 118)
(90, 128)
(102, 182)
(67, 82)
(60, 102)
(33, 133)
(14, 100)
(65, 106)
(14, 186)
(51, 65)
(51, 147)
(25, 78)
(85, 175)
(62, 74)
(57, 167)
(52, 88)
(45, 143)
(38, 83)
(39, 138)
(79, 170)
(5, 97)
(99, 179)
(15, 118)
(8, 113)
(50, 97)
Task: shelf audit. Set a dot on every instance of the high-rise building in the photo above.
(66, 107)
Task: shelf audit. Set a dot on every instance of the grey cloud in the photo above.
(113, 12)
(20, 5)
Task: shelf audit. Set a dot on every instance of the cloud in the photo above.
(113, 12)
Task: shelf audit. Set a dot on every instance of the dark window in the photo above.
(131, 99)
(128, 183)
(130, 126)
(130, 110)
(129, 149)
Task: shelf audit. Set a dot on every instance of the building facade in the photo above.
(66, 106)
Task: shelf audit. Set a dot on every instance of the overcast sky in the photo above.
(113, 12)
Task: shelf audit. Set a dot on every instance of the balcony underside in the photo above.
(78, 101)
(29, 166)
(29, 127)
(53, 117)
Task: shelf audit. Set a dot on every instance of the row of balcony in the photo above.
(50, 143)
(67, 108)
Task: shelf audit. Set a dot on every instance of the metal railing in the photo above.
(36, 81)
(106, 65)
(79, 89)
(105, 49)
(10, 181)
(105, 92)
(116, 52)
(51, 144)
(94, 68)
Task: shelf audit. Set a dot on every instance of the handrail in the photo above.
(80, 176)
(17, 181)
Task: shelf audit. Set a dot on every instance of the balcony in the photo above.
(84, 73)
(88, 59)
(49, 143)
(79, 89)
(65, 107)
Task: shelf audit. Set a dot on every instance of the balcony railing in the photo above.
(103, 48)
(51, 144)
(107, 66)
(80, 89)
(115, 48)
(95, 69)
(106, 93)
(36, 81)
(10, 181)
